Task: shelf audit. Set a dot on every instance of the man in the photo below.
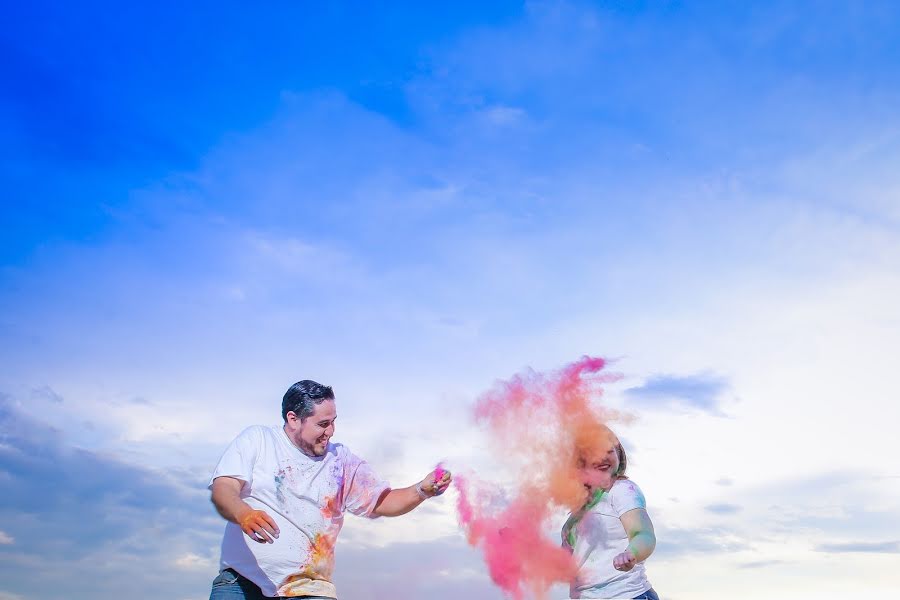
(284, 491)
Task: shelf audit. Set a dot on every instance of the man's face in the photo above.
(311, 434)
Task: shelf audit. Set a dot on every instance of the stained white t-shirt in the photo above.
(600, 536)
(306, 496)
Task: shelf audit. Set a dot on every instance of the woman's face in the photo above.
(598, 469)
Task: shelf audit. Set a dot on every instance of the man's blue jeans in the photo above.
(648, 595)
(230, 585)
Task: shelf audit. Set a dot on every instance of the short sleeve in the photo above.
(626, 495)
(362, 487)
(239, 457)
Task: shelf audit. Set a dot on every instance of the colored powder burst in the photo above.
(439, 472)
(540, 424)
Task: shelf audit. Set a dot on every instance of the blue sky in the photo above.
(203, 204)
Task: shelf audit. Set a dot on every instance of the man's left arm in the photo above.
(396, 502)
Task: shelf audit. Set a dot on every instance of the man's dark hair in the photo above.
(302, 398)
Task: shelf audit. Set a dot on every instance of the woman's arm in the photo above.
(641, 539)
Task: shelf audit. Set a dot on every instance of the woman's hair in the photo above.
(623, 461)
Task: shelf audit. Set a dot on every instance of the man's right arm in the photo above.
(226, 497)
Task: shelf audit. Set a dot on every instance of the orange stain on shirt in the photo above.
(314, 575)
(321, 555)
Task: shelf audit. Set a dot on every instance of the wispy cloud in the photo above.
(702, 392)
(194, 562)
(892, 547)
(723, 509)
(46, 393)
(760, 564)
(673, 542)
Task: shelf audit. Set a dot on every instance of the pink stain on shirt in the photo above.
(331, 509)
(541, 423)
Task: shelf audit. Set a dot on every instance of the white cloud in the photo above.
(6, 539)
(194, 562)
(504, 115)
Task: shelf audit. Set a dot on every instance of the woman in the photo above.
(611, 535)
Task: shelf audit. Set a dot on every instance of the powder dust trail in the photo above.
(540, 423)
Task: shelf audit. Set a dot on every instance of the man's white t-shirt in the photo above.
(600, 536)
(306, 496)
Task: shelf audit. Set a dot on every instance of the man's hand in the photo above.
(624, 561)
(226, 497)
(259, 526)
(436, 482)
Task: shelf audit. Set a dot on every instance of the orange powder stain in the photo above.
(321, 555)
(314, 576)
(540, 423)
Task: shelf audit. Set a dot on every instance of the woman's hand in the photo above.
(625, 561)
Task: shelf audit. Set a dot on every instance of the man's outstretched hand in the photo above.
(437, 482)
